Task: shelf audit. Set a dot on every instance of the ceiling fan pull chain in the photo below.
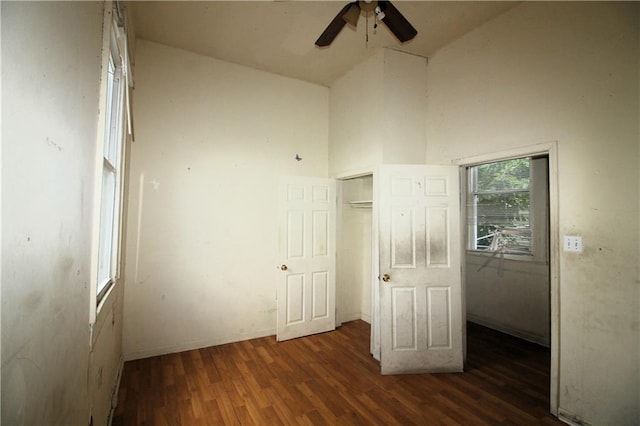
(366, 43)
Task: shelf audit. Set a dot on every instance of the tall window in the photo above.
(502, 206)
(111, 168)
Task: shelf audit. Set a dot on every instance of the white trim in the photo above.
(374, 345)
(350, 317)
(106, 298)
(196, 344)
(464, 231)
(98, 164)
(522, 334)
(340, 318)
(1, 209)
(551, 150)
(554, 275)
(116, 248)
(114, 391)
(525, 151)
(355, 173)
(123, 48)
(524, 257)
(571, 419)
(119, 237)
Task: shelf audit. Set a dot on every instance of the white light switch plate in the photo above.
(572, 243)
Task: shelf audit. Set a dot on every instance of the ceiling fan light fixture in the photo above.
(379, 13)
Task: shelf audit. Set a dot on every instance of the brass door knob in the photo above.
(386, 278)
(283, 267)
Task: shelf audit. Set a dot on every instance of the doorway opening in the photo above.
(510, 254)
(506, 247)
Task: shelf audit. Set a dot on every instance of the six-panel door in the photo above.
(306, 284)
(420, 301)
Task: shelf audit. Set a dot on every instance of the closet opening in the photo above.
(354, 243)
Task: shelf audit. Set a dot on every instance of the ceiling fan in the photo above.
(385, 12)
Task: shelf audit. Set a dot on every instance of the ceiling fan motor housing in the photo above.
(368, 6)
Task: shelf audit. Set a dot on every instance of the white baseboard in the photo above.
(349, 317)
(114, 392)
(188, 346)
(531, 337)
(571, 419)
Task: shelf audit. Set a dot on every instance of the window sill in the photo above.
(527, 258)
(103, 311)
(105, 296)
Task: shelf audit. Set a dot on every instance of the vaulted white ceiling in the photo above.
(279, 36)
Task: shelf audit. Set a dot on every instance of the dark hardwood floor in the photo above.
(331, 379)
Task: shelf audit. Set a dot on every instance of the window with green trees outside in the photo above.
(499, 206)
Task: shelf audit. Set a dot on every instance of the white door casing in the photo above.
(421, 318)
(306, 282)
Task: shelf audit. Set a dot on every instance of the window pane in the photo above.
(106, 227)
(108, 108)
(115, 122)
(503, 222)
(504, 175)
(499, 206)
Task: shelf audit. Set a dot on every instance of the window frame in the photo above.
(538, 210)
(113, 132)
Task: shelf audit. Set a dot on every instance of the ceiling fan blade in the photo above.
(353, 14)
(334, 27)
(397, 23)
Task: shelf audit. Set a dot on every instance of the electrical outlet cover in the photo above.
(572, 243)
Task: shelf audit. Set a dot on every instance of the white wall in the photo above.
(353, 293)
(566, 72)
(355, 139)
(377, 113)
(404, 106)
(509, 295)
(50, 79)
(212, 140)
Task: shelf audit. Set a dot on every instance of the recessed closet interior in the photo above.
(354, 245)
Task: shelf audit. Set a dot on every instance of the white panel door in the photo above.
(421, 327)
(306, 285)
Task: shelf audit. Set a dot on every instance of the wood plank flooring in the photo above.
(330, 379)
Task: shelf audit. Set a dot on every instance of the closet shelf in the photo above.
(363, 204)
